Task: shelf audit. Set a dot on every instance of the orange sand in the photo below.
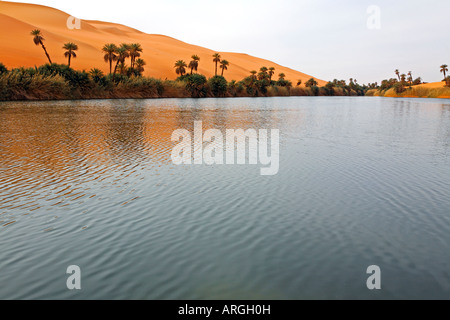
(432, 85)
(17, 49)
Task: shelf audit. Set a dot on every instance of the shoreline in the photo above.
(203, 98)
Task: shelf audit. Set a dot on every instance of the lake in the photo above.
(361, 182)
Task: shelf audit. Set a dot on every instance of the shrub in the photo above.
(399, 88)
(27, 84)
(284, 83)
(79, 81)
(196, 85)
(138, 88)
(261, 86)
(276, 91)
(3, 69)
(300, 92)
(174, 89)
(417, 81)
(311, 83)
(218, 86)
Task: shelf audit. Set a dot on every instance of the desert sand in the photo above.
(432, 85)
(17, 49)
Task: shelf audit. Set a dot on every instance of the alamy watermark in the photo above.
(74, 280)
(374, 19)
(374, 281)
(211, 148)
(73, 23)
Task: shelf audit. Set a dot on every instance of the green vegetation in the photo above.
(218, 86)
(193, 65)
(134, 51)
(56, 81)
(224, 65)
(70, 51)
(216, 60)
(180, 67)
(3, 69)
(110, 50)
(196, 85)
(444, 70)
(38, 39)
(122, 53)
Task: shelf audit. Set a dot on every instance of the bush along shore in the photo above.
(60, 82)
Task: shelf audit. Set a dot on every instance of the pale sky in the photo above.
(325, 38)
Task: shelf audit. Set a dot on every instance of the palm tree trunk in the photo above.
(46, 53)
(110, 65)
(216, 69)
(115, 70)
(223, 69)
(70, 56)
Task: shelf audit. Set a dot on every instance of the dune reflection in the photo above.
(61, 154)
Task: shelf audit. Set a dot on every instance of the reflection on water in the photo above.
(362, 182)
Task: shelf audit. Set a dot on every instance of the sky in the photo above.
(325, 38)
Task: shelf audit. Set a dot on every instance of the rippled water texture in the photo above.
(362, 181)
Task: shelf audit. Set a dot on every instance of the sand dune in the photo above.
(160, 52)
(432, 85)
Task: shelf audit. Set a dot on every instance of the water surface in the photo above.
(362, 181)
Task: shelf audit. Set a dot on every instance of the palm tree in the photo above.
(96, 74)
(127, 47)
(70, 51)
(410, 77)
(180, 66)
(122, 54)
(311, 83)
(444, 69)
(122, 68)
(135, 51)
(299, 82)
(110, 50)
(271, 73)
(397, 72)
(39, 40)
(263, 73)
(403, 78)
(139, 64)
(216, 59)
(282, 76)
(253, 74)
(193, 65)
(224, 65)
